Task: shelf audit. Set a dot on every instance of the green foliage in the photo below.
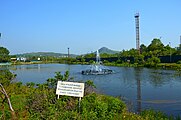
(66, 76)
(139, 59)
(119, 61)
(82, 60)
(151, 115)
(89, 87)
(91, 61)
(4, 55)
(179, 62)
(6, 77)
(52, 82)
(152, 62)
(106, 55)
(102, 107)
(30, 84)
(155, 49)
(91, 55)
(89, 83)
(105, 61)
(40, 102)
(129, 53)
(156, 44)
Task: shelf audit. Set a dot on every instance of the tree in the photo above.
(152, 62)
(89, 87)
(82, 60)
(156, 44)
(91, 61)
(52, 82)
(4, 55)
(156, 47)
(91, 55)
(139, 59)
(143, 48)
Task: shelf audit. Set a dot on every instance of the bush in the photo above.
(96, 106)
(119, 61)
(152, 62)
(179, 62)
(151, 115)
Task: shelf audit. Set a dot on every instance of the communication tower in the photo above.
(137, 32)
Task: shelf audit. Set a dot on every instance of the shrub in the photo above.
(152, 115)
(179, 62)
(96, 106)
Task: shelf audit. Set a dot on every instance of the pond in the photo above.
(141, 88)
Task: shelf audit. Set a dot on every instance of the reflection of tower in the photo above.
(138, 95)
(137, 32)
(138, 81)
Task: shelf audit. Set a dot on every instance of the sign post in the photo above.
(74, 89)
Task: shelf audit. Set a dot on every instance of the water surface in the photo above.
(142, 88)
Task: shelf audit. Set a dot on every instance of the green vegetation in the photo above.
(149, 56)
(43, 54)
(4, 55)
(35, 102)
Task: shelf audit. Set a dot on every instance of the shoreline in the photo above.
(163, 66)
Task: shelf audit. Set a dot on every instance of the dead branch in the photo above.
(9, 102)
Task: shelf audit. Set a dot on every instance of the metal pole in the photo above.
(79, 103)
(180, 43)
(170, 52)
(68, 53)
(0, 35)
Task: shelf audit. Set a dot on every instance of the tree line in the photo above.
(147, 54)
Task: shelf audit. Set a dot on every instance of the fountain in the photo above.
(97, 68)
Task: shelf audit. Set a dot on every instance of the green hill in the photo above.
(107, 50)
(52, 54)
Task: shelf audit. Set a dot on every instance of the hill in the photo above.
(52, 54)
(107, 50)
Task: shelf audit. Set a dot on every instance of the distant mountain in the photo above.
(52, 54)
(107, 50)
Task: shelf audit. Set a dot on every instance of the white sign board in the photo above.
(70, 89)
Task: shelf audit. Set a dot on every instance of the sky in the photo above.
(86, 25)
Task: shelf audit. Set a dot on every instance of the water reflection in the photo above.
(159, 78)
(137, 72)
(26, 67)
